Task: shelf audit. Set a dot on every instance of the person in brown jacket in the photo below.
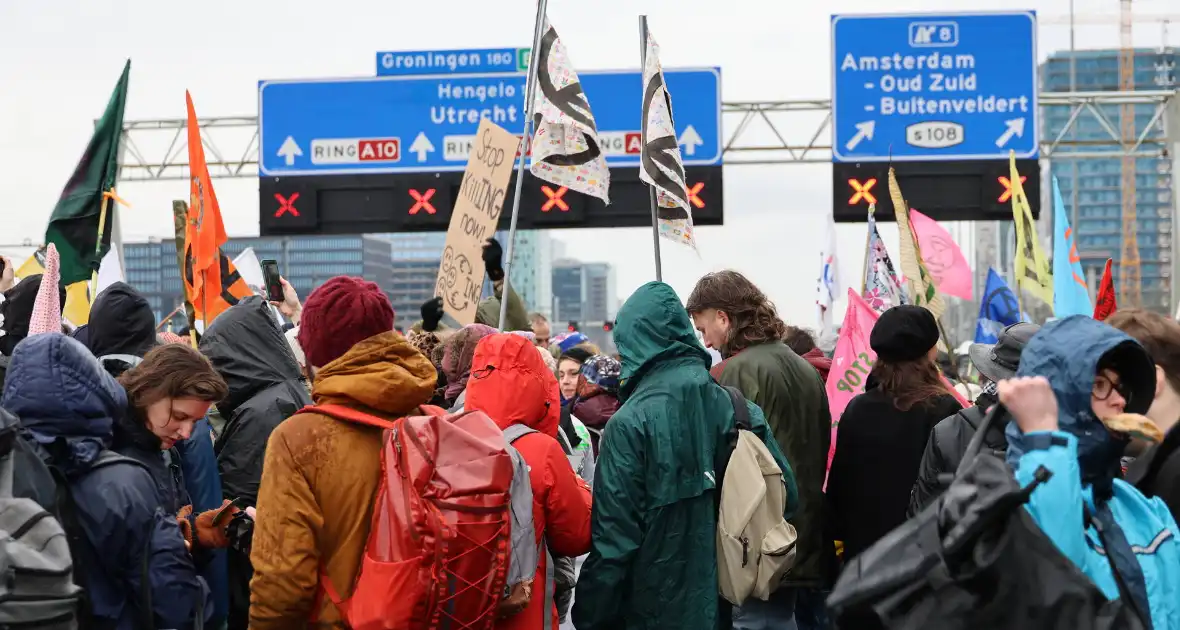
(320, 476)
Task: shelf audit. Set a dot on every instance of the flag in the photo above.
(828, 284)
(565, 149)
(882, 290)
(1071, 296)
(851, 362)
(920, 290)
(998, 309)
(1105, 305)
(660, 163)
(942, 257)
(73, 224)
(212, 283)
(1032, 269)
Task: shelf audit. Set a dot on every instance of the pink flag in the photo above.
(851, 362)
(942, 257)
(47, 307)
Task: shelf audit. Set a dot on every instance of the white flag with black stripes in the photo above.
(566, 151)
(661, 165)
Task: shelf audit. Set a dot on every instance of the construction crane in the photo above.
(1130, 284)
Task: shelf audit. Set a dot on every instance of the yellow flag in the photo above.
(31, 267)
(1033, 273)
(922, 291)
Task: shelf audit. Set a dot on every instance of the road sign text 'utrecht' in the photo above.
(934, 87)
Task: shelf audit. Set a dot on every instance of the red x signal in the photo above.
(693, 194)
(862, 191)
(555, 199)
(1007, 184)
(286, 205)
(422, 201)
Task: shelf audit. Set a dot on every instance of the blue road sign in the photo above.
(413, 124)
(476, 61)
(934, 87)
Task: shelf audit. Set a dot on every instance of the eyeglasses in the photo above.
(1103, 386)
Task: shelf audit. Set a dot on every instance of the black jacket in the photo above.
(247, 349)
(945, 450)
(878, 451)
(1156, 473)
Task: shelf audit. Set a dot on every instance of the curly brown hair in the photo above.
(910, 383)
(753, 319)
(173, 371)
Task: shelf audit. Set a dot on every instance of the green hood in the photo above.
(651, 328)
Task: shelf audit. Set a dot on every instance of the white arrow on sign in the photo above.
(290, 150)
(421, 146)
(690, 140)
(1015, 128)
(864, 131)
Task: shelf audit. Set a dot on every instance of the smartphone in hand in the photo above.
(271, 276)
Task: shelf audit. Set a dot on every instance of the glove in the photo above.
(186, 526)
(432, 313)
(210, 535)
(492, 256)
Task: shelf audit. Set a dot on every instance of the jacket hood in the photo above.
(383, 373)
(595, 411)
(819, 361)
(121, 322)
(510, 383)
(651, 327)
(1067, 353)
(248, 350)
(61, 394)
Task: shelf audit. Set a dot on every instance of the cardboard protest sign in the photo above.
(474, 219)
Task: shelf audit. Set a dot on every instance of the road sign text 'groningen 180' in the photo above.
(406, 124)
(934, 87)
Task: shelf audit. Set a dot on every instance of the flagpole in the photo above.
(530, 110)
(864, 272)
(655, 222)
(102, 224)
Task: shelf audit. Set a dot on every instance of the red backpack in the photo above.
(438, 548)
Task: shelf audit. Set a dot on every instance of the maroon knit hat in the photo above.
(341, 313)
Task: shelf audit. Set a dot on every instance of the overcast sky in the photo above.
(62, 58)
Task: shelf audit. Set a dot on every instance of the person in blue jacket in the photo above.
(1073, 374)
(68, 405)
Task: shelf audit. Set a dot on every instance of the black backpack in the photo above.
(974, 560)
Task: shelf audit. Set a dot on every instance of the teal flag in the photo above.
(1070, 295)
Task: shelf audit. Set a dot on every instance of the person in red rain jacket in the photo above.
(511, 384)
(801, 341)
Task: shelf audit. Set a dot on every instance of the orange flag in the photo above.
(1105, 305)
(211, 281)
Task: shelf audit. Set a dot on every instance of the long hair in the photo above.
(909, 383)
(173, 371)
(753, 319)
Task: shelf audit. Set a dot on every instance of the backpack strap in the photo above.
(348, 414)
(741, 413)
(741, 421)
(516, 431)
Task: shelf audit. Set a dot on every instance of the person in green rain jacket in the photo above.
(653, 555)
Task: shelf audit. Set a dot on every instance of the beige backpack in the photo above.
(755, 544)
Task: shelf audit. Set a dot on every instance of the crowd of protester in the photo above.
(248, 479)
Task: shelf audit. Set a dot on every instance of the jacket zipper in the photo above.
(401, 471)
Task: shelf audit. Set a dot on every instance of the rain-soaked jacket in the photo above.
(68, 404)
(510, 383)
(653, 560)
(320, 481)
(1084, 459)
(249, 351)
(121, 323)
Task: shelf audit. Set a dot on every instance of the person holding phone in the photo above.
(280, 293)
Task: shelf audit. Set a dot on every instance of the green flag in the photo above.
(73, 226)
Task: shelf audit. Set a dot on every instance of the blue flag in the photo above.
(998, 309)
(1070, 295)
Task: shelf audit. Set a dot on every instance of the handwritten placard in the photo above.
(474, 220)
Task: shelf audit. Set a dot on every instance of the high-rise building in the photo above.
(583, 292)
(1092, 188)
(305, 261)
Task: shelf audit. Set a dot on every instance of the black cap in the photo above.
(998, 361)
(904, 333)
